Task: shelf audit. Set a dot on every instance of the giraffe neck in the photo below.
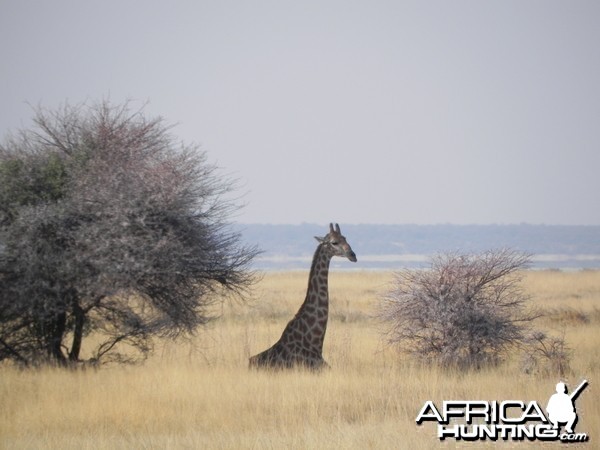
(314, 311)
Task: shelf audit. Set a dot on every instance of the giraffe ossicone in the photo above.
(301, 343)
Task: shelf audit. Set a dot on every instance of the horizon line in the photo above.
(490, 224)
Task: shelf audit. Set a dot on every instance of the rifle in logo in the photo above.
(578, 389)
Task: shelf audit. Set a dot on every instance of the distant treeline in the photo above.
(578, 246)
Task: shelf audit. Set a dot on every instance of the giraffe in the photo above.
(301, 343)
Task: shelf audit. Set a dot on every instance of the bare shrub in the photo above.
(465, 311)
(545, 355)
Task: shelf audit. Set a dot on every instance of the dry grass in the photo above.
(200, 394)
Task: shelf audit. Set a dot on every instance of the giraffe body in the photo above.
(301, 343)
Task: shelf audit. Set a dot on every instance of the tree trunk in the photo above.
(79, 316)
(58, 327)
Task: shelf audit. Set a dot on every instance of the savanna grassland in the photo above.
(199, 393)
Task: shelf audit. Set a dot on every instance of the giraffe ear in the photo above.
(320, 240)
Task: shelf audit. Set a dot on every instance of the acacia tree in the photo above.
(109, 227)
(465, 311)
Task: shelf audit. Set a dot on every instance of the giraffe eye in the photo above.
(334, 242)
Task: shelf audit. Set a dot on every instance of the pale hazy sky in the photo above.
(350, 111)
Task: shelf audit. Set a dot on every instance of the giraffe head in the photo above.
(336, 244)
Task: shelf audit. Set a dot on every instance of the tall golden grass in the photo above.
(200, 394)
